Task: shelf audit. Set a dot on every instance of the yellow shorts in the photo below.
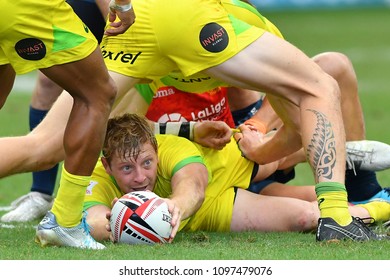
(40, 34)
(201, 82)
(170, 35)
(216, 216)
(228, 170)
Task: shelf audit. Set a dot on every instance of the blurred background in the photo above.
(310, 4)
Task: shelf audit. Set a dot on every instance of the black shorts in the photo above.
(278, 176)
(89, 13)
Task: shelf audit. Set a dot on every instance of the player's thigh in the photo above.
(51, 130)
(45, 93)
(273, 65)
(269, 213)
(87, 78)
(57, 117)
(301, 192)
(131, 102)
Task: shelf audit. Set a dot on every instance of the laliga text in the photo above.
(210, 271)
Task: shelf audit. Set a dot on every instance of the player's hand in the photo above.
(212, 134)
(126, 19)
(174, 209)
(108, 217)
(248, 141)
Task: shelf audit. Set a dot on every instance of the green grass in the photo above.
(362, 35)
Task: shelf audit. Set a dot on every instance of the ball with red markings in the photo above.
(140, 218)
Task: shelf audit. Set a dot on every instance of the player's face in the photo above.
(135, 175)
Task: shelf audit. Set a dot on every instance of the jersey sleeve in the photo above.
(146, 92)
(174, 153)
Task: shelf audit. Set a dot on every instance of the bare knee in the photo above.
(331, 93)
(106, 91)
(307, 219)
(102, 98)
(335, 64)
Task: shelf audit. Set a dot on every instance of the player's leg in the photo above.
(53, 126)
(362, 185)
(92, 98)
(268, 213)
(340, 68)
(274, 188)
(38, 201)
(292, 79)
(93, 92)
(363, 157)
(44, 95)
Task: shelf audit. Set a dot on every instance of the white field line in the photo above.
(19, 225)
(5, 208)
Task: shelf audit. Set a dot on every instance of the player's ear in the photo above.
(106, 165)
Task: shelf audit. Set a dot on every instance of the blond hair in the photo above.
(125, 135)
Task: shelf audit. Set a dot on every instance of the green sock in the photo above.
(333, 202)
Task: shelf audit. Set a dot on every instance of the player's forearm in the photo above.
(280, 144)
(188, 188)
(189, 203)
(182, 129)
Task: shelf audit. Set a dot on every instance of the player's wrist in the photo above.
(261, 127)
(182, 129)
(120, 6)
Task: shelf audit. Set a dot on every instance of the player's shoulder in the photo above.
(167, 140)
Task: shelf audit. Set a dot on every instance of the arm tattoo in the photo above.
(322, 151)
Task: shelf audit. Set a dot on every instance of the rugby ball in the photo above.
(140, 217)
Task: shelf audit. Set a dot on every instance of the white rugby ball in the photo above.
(140, 217)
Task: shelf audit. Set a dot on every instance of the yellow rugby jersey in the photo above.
(226, 170)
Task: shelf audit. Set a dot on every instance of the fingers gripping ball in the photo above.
(140, 218)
